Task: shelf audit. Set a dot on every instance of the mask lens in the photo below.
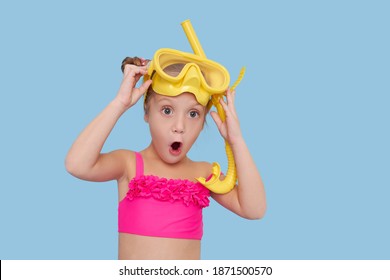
(172, 64)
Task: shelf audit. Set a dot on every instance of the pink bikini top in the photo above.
(161, 207)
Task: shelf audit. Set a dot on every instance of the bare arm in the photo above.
(247, 199)
(84, 159)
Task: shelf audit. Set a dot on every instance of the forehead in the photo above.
(184, 99)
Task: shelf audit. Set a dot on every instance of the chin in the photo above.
(173, 159)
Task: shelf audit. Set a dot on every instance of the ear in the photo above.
(146, 117)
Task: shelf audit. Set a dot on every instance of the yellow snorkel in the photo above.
(191, 79)
(214, 184)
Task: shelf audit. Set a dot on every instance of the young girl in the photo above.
(160, 203)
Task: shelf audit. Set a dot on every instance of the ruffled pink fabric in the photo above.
(164, 189)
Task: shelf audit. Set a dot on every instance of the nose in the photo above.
(178, 125)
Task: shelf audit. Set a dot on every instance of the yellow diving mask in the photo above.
(198, 75)
(207, 80)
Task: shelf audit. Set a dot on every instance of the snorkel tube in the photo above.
(215, 184)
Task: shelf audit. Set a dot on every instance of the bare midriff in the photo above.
(137, 247)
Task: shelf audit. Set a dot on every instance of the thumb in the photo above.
(142, 89)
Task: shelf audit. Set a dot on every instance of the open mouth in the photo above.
(176, 146)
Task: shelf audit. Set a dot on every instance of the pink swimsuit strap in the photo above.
(139, 165)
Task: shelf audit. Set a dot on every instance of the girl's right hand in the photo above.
(128, 94)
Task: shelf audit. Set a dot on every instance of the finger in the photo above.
(216, 118)
(131, 77)
(230, 96)
(138, 92)
(144, 87)
(126, 69)
(134, 74)
(144, 61)
(129, 67)
(224, 105)
(139, 69)
(219, 123)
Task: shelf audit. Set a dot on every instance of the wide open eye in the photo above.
(194, 114)
(166, 111)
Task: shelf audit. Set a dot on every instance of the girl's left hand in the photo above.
(230, 128)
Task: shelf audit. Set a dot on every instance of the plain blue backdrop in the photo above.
(313, 106)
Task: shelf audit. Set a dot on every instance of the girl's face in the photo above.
(175, 124)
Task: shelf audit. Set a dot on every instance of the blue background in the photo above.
(313, 106)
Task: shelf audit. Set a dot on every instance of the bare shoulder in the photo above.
(122, 155)
(117, 164)
(203, 168)
(127, 157)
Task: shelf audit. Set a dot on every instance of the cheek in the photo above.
(158, 128)
(196, 128)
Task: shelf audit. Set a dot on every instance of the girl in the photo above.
(160, 204)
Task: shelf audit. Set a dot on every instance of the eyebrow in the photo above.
(197, 105)
(164, 99)
(170, 100)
